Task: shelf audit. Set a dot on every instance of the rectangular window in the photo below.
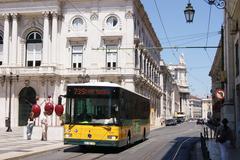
(34, 54)
(38, 63)
(77, 56)
(30, 63)
(237, 58)
(111, 56)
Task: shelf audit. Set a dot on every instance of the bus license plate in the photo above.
(89, 143)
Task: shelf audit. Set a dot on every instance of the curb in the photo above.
(36, 150)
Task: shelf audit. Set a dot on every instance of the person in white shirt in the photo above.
(44, 125)
(31, 122)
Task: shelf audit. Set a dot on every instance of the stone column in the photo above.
(6, 40)
(45, 60)
(13, 57)
(54, 38)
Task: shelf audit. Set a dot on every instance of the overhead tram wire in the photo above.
(200, 81)
(194, 41)
(198, 67)
(77, 9)
(187, 37)
(209, 21)
(175, 47)
(165, 32)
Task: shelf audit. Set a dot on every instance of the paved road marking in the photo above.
(180, 147)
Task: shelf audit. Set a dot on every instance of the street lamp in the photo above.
(189, 12)
(4, 79)
(218, 3)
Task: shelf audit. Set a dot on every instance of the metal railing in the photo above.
(208, 133)
(204, 148)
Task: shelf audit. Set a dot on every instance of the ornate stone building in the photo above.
(170, 99)
(179, 73)
(46, 44)
(231, 106)
(195, 107)
(218, 77)
(207, 108)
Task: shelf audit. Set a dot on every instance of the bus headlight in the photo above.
(68, 135)
(112, 137)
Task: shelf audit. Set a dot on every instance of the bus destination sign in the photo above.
(88, 91)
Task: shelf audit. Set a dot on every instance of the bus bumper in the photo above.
(94, 142)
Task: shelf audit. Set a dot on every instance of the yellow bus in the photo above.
(105, 114)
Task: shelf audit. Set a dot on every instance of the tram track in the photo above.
(170, 143)
(179, 147)
(85, 156)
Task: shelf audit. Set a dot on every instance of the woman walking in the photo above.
(31, 122)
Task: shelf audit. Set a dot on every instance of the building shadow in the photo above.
(100, 149)
(181, 148)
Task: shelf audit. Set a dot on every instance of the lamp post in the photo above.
(4, 79)
(189, 11)
(218, 3)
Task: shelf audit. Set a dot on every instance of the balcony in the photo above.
(29, 71)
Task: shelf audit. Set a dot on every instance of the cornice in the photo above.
(142, 13)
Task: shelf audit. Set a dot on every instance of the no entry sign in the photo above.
(219, 93)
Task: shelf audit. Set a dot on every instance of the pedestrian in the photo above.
(225, 139)
(44, 125)
(216, 124)
(31, 123)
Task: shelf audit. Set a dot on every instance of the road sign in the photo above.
(219, 93)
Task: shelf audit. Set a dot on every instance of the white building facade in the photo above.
(179, 73)
(170, 98)
(46, 44)
(195, 107)
(207, 108)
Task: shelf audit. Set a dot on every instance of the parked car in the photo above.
(171, 122)
(200, 121)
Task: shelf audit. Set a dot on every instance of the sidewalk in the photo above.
(13, 145)
(214, 152)
(213, 147)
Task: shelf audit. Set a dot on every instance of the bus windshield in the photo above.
(92, 110)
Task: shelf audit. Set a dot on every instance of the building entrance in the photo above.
(27, 97)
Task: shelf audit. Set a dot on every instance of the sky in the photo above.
(173, 31)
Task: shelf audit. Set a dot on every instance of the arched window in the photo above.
(112, 21)
(1, 48)
(34, 49)
(77, 23)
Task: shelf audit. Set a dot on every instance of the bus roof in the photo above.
(103, 84)
(96, 84)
